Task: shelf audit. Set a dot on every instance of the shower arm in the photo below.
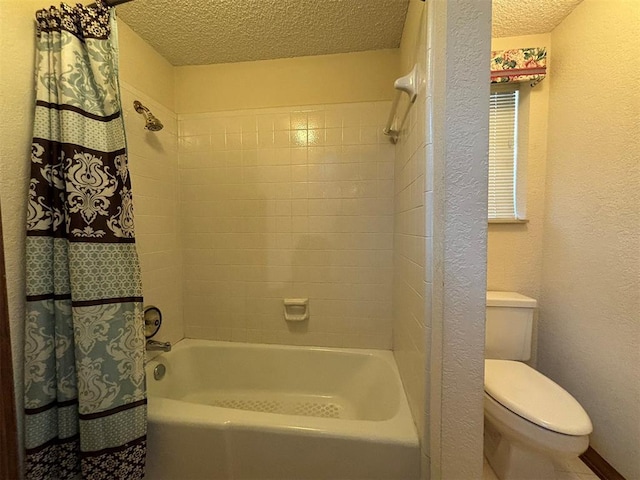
(140, 108)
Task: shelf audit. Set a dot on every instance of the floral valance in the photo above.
(519, 65)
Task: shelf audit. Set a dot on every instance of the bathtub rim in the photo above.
(398, 430)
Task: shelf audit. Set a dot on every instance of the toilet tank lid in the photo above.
(509, 299)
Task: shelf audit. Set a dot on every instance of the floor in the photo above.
(569, 470)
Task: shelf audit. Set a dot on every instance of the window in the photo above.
(503, 153)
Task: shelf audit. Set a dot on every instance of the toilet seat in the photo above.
(536, 398)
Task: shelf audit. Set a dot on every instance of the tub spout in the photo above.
(153, 345)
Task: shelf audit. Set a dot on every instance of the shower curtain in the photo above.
(85, 396)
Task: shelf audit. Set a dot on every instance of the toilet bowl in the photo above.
(529, 420)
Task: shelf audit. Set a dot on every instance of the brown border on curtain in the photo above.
(9, 432)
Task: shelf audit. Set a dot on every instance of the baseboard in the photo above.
(600, 466)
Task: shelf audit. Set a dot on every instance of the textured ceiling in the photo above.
(198, 32)
(529, 17)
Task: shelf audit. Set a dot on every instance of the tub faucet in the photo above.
(153, 345)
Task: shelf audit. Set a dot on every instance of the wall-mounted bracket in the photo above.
(409, 85)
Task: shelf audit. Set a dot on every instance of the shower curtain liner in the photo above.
(85, 396)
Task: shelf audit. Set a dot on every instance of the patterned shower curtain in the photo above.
(85, 396)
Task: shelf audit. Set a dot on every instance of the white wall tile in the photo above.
(411, 317)
(155, 177)
(297, 203)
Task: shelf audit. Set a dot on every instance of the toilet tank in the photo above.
(509, 324)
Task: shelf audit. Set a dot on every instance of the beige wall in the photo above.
(590, 305)
(324, 79)
(17, 44)
(514, 251)
(584, 269)
(459, 88)
(145, 69)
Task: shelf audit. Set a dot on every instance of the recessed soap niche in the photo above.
(296, 309)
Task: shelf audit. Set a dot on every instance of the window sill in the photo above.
(508, 220)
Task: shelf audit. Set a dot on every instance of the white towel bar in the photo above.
(409, 85)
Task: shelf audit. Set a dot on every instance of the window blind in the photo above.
(503, 148)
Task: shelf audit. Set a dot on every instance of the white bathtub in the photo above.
(243, 411)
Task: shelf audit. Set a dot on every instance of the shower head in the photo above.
(152, 123)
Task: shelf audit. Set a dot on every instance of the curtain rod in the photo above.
(112, 3)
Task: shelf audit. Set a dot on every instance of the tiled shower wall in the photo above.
(153, 163)
(288, 203)
(412, 284)
(413, 264)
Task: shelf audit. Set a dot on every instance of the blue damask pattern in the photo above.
(85, 396)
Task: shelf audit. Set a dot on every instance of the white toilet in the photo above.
(529, 419)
